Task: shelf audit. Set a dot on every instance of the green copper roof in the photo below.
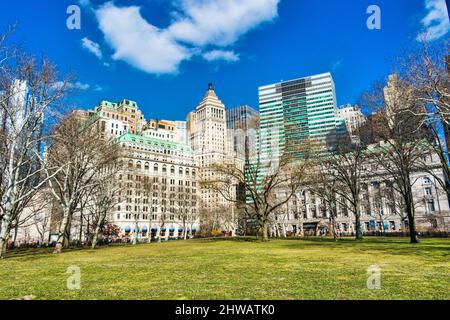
(91, 120)
(158, 143)
(129, 103)
(108, 104)
(114, 105)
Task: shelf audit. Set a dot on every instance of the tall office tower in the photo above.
(353, 118)
(207, 134)
(242, 125)
(296, 110)
(17, 99)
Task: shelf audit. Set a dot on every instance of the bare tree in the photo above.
(401, 141)
(42, 224)
(150, 227)
(36, 216)
(191, 219)
(184, 209)
(426, 69)
(79, 152)
(30, 91)
(321, 182)
(268, 185)
(162, 225)
(103, 197)
(347, 167)
(280, 221)
(136, 228)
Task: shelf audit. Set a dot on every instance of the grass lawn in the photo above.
(235, 269)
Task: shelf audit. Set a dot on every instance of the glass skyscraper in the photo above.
(298, 110)
(242, 125)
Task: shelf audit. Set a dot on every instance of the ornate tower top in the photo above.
(210, 99)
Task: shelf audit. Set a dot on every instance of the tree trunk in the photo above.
(96, 236)
(158, 235)
(284, 230)
(67, 233)
(265, 233)
(3, 247)
(359, 234)
(62, 233)
(135, 237)
(80, 236)
(411, 223)
(16, 232)
(149, 234)
(333, 227)
(8, 200)
(4, 235)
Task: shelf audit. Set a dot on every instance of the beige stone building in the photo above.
(158, 179)
(380, 206)
(353, 117)
(159, 190)
(208, 137)
(118, 118)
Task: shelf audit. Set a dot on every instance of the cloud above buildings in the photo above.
(215, 55)
(219, 22)
(92, 47)
(78, 86)
(205, 28)
(436, 22)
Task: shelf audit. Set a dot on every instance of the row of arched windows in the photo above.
(164, 168)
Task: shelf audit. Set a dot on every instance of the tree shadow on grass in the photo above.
(29, 252)
(431, 248)
(229, 239)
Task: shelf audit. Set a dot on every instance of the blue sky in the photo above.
(163, 53)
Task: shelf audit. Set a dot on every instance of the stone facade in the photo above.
(159, 188)
(208, 137)
(306, 213)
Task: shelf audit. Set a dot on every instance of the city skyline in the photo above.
(224, 150)
(102, 73)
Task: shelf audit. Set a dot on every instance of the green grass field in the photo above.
(235, 269)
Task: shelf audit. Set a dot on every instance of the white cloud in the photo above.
(197, 25)
(85, 3)
(81, 86)
(215, 55)
(436, 23)
(139, 43)
(92, 47)
(97, 88)
(220, 22)
(76, 85)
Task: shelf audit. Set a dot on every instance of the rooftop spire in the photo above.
(210, 87)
